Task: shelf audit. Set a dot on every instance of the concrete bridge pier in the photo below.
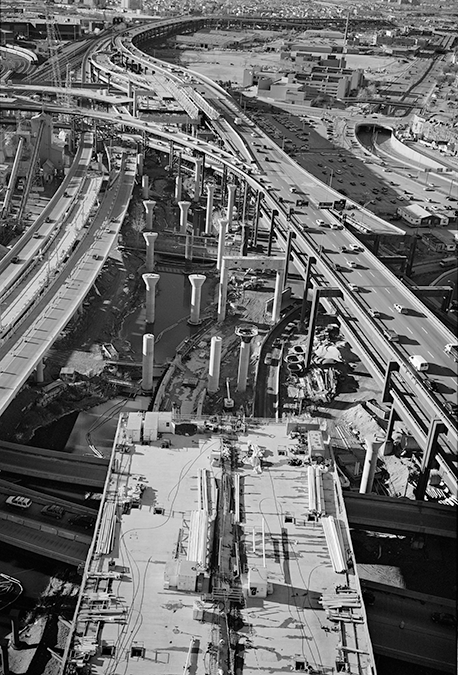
(223, 225)
(276, 307)
(5, 657)
(184, 208)
(391, 367)
(273, 215)
(215, 364)
(197, 281)
(40, 372)
(209, 212)
(312, 325)
(256, 214)
(150, 238)
(148, 362)
(140, 164)
(308, 271)
(149, 205)
(178, 187)
(145, 187)
(246, 334)
(150, 302)
(370, 465)
(197, 178)
(436, 427)
(231, 190)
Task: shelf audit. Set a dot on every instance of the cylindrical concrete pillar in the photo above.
(148, 362)
(40, 372)
(197, 178)
(244, 362)
(5, 656)
(221, 242)
(150, 302)
(184, 208)
(278, 294)
(145, 187)
(370, 465)
(150, 238)
(15, 641)
(215, 364)
(140, 164)
(149, 205)
(189, 245)
(209, 214)
(197, 281)
(230, 202)
(178, 186)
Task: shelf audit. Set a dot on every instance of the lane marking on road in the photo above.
(387, 290)
(410, 331)
(425, 329)
(431, 354)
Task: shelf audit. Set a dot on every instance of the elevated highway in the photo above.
(25, 460)
(399, 516)
(21, 351)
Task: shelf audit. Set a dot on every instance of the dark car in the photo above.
(83, 520)
(53, 511)
(443, 618)
(431, 385)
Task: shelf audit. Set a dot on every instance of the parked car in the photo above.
(19, 502)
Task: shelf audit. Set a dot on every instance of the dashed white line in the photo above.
(425, 329)
(432, 355)
(410, 331)
(387, 290)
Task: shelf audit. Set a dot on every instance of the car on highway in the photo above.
(400, 308)
(451, 408)
(356, 248)
(344, 249)
(19, 502)
(293, 189)
(16, 260)
(83, 520)
(352, 264)
(452, 350)
(53, 511)
(375, 314)
(320, 222)
(353, 287)
(431, 385)
(336, 226)
(444, 618)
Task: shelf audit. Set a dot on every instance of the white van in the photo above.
(418, 362)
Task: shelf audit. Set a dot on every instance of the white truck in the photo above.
(418, 362)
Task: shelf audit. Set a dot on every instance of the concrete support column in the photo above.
(197, 281)
(370, 465)
(170, 155)
(273, 215)
(436, 427)
(184, 208)
(129, 88)
(209, 213)
(135, 104)
(215, 364)
(145, 187)
(245, 201)
(222, 291)
(148, 362)
(311, 261)
(5, 657)
(231, 189)
(246, 334)
(15, 641)
(150, 302)
(189, 246)
(140, 164)
(391, 367)
(276, 306)
(197, 178)
(150, 238)
(149, 205)
(221, 242)
(223, 182)
(289, 243)
(178, 187)
(257, 211)
(312, 324)
(391, 420)
(40, 372)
